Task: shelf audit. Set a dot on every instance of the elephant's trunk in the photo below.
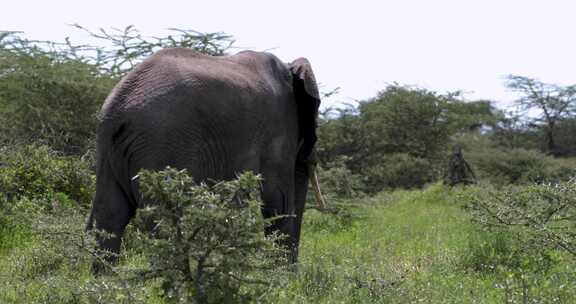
(316, 186)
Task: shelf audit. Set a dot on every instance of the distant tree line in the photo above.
(403, 137)
(50, 94)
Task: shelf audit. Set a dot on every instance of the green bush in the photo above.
(398, 138)
(493, 251)
(36, 181)
(499, 165)
(561, 169)
(525, 268)
(36, 172)
(400, 170)
(518, 166)
(208, 246)
(47, 97)
(339, 216)
(529, 224)
(209, 241)
(14, 225)
(337, 181)
(524, 240)
(53, 266)
(50, 92)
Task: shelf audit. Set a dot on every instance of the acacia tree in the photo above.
(122, 49)
(50, 91)
(553, 102)
(513, 131)
(420, 122)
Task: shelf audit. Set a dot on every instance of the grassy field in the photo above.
(420, 246)
(403, 247)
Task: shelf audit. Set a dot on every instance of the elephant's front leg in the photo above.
(278, 199)
(301, 178)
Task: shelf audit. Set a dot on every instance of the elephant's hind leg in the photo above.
(111, 212)
(278, 199)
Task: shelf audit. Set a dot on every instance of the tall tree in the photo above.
(553, 102)
(513, 131)
(419, 122)
(400, 137)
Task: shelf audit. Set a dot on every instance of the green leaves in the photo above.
(208, 240)
(417, 121)
(48, 95)
(542, 216)
(400, 137)
(50, 91)
(551, 102)
(37, 172)
(126, 47)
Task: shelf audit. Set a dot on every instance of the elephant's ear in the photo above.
(302, 73)
(308, 101)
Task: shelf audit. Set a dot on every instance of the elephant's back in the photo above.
(214, 116)
(205, 79)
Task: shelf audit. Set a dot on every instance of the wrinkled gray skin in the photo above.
(216, 117)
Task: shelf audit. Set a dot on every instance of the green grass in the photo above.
(408, 244)
(413, 246)
(403, 247)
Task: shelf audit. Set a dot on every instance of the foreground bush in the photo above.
(525, 230)
(541, 216)
(526, 239)
(209, 241)
(208, 246)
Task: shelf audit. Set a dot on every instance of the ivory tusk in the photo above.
(316, 185)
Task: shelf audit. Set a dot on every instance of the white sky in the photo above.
(360, 46)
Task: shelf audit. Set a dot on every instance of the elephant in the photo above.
(215, 116)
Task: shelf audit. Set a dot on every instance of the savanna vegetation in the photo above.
(402, 224)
